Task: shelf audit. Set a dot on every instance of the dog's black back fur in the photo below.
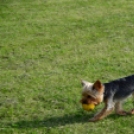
(120, 88)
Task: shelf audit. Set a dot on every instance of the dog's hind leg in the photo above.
(133, 99)
(132, 111)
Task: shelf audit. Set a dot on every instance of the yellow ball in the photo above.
(88, 107)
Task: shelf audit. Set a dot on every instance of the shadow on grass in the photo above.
(52, 121)
(55, 121)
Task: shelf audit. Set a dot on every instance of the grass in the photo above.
(46, 48)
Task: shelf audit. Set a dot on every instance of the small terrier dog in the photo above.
(112, 94)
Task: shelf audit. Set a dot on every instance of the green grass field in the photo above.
(46, 48)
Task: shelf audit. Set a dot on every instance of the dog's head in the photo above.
(92, 92)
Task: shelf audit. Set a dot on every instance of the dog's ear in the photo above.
(83, 83)
(97, 85)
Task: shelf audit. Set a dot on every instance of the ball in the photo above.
(88, 107)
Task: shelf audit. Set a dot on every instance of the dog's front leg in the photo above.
(104, 112)
(119, 110)
(109, 107)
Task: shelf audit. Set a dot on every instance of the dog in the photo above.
(112, 94)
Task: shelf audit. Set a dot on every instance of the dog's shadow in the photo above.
(52, 122)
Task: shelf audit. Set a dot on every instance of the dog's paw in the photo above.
(92, 120)
(122, 113)
(132, 111)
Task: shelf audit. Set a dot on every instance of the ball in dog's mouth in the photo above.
(88, 107)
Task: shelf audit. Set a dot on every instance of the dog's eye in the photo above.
(93, 88)
(88, 96)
